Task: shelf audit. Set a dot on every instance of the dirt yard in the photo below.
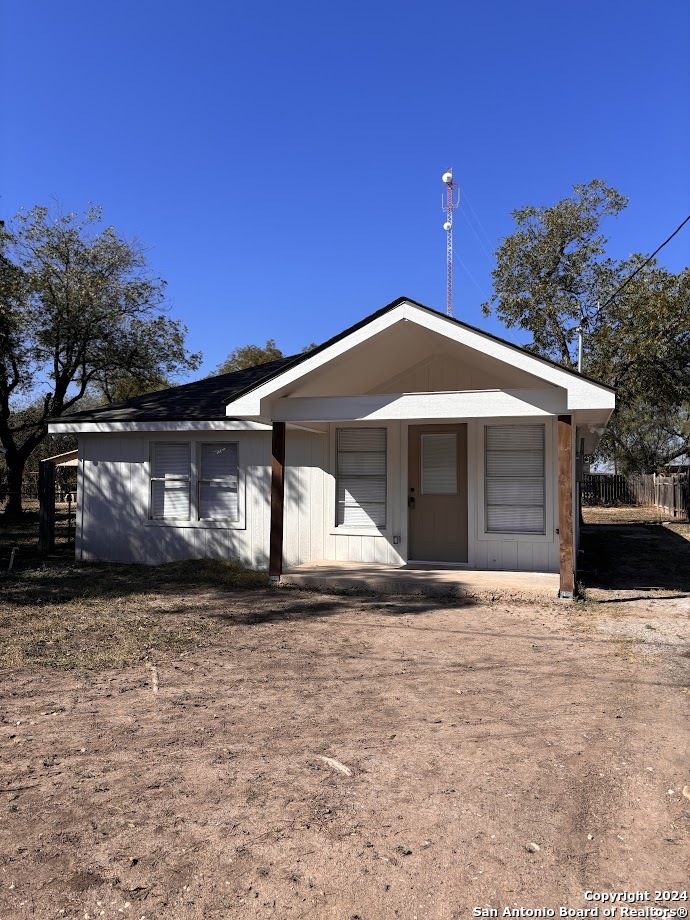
(187, 742)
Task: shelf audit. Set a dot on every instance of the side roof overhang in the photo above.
(583, 393)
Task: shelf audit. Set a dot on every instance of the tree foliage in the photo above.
(80, 312)
(245, 356)
(553, 276)
(128, 387)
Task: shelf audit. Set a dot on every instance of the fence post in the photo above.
(46, 508)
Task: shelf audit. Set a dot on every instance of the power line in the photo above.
(456, 256)
(646, 262)
(478, 238)
(481, 227)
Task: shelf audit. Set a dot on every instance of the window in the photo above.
(193, 482)
(439, 464)
(170, 480)
(361, 477)
(218, 482)
(514, 494)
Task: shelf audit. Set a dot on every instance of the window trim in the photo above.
(195, 453)
(332, 510)
(549, 483)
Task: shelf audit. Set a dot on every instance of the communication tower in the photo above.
(449, 203)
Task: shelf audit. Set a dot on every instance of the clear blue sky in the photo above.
(283, 160)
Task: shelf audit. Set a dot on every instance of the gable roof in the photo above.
(205, 400)
(297, 359)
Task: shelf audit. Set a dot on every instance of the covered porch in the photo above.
(508, 564)
(419, 579)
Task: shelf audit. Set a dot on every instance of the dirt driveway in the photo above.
(496, 755)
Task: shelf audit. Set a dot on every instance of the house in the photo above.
(409, 437)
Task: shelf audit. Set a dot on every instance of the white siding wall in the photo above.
(515, 552)
(114, 491)
(114, 505)
(445, 372)
(310, 531)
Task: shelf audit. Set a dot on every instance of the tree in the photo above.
(80, 311)
(248, 356)
(253, 355)
(552, 276)
(640, 344)
(128, 387)
(549, 273)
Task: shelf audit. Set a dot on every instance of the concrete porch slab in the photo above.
(347, 577)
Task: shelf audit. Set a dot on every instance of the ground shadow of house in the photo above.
(634, 557)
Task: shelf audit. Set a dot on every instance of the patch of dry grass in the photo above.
(93, 634)
(624, 514)
(683, 530)
(93, 615)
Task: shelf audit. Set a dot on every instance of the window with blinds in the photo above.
(361, 477)
(218, 481)
(170, 480)
(514, 493)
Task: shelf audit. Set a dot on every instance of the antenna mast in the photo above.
(449, 205)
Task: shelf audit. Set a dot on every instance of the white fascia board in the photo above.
(391, 406)
(582, 393)
(123, 427)
(251, 403)
(590, 425)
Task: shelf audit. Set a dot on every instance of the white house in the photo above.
(410, 437)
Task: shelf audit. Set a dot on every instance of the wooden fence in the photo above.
(670, 494)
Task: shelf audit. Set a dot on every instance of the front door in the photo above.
(437, 493)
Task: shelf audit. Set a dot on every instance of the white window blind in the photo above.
(219, 481)
(439, 464)
(170, 480)
(361, 477)
(514, 493)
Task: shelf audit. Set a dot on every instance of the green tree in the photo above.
(553, 276)
(550, 271)
(640, 344)
(245, 356)
(80, 310)
(127, 387)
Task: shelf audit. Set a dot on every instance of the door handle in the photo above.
(411, 502)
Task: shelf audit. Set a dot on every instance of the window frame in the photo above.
(549, 483)
(360, 530)
(194, 521)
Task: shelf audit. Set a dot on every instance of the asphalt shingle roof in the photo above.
(201, 400)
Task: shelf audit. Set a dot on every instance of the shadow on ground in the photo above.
(634, 557)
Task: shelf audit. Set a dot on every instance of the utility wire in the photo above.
(481, 227)
(478, 238)
(457, 257)
(646, 262)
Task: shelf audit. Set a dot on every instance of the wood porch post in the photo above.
(46, 506)
(565, 505)
(275, 565)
